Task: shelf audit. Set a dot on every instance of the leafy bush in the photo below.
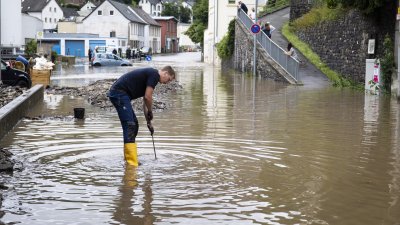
(226, 46)
(31, 47)
(317, 15)
(387, 63)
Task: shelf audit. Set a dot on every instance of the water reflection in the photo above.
(233, 149)
(128, 208)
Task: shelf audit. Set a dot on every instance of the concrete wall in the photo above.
(243, 57)
(67, 27)
(11, 113)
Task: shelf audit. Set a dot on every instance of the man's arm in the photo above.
(148, 103)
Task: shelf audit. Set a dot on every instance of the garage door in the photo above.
(94, 43)
(56, 48)
(75, 48)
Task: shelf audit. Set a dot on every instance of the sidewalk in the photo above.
(309, 74)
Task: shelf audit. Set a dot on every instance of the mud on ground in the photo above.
(96, 93)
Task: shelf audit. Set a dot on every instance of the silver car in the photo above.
(108, 59)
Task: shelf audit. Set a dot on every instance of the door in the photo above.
(75, 48)
(56, 48)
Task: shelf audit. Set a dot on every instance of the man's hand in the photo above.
(151, 128)
(149, 116)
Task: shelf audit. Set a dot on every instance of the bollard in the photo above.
(79, 113)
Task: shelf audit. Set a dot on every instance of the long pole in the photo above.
(255, 43)
(155, 155)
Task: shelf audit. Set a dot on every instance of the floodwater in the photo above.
(233, 149)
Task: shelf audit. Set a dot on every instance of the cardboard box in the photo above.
(40, 77)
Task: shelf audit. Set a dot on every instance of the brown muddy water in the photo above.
(233, 149)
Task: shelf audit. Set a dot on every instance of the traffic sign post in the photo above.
(255, 28)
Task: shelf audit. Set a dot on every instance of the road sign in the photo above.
(255, 28)
(148, 58)
(39, 35)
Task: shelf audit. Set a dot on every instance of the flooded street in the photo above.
(233, 149)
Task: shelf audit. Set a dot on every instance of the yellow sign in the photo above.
(398, 10)
(39, 35)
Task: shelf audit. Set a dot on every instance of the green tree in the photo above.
(367, 6)
(200, 22)
(31, 47)
(170, 9)
(185, 14)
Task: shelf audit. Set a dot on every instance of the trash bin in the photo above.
(79, 113)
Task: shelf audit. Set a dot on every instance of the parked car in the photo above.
(14, 77)
(108, 59)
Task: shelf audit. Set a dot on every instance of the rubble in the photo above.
(9, 93)
(96, 93)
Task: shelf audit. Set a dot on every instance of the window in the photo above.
(112, 34)
(55, 20)
(231, 1)
(50, 9)
(111, 12)
(50, 20)
(55, 9)
(45, 20)
(99, 12)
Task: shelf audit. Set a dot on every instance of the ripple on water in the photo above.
(78, 168)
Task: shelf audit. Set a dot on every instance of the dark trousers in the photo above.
(129, 122)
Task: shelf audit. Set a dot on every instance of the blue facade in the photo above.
(56, 48)
(94, 43)
(75, 48)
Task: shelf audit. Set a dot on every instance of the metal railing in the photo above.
(288, 63)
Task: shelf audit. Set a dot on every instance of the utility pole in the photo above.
(255, 43)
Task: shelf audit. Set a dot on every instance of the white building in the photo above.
(86, 9)
(151, 7)
(114, 19)
(11, 24)
(16, 28)
(46, 10)
(219, 15)
(184, 40)
(152, 32)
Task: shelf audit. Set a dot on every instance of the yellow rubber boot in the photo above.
(130, 154)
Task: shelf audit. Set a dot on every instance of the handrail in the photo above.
(288, 63)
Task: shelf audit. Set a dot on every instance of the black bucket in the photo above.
(79, 113)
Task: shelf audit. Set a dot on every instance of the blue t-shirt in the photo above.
(135, 82)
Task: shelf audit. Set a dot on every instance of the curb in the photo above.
(11, 113)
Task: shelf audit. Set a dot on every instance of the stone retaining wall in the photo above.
(243, 57)
(343, 44)
(298, 8)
